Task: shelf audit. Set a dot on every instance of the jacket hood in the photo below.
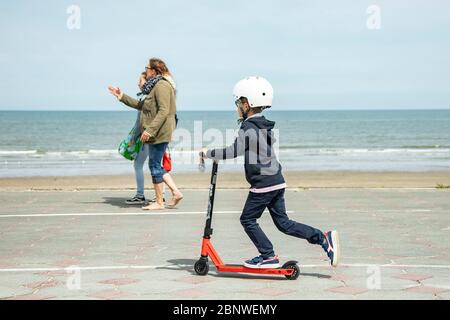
(261, 122)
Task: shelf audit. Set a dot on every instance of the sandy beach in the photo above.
(236, 180)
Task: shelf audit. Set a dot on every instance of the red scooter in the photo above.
(290, 269)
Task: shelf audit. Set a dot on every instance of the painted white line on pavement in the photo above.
(176, 267)
(365, 265)
(71, 268)
(90, 214)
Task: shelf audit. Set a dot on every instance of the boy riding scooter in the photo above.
(263, 172)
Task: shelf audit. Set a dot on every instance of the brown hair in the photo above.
(254, 109)
(159, 66)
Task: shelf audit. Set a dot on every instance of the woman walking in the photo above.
(157, 123)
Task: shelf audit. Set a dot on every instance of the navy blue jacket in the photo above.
(255, 140)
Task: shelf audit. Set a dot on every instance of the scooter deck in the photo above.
(243, 269)
(208, 250)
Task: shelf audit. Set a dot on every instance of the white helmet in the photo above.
(257, 90)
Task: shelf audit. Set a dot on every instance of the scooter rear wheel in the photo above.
(291, 265)
(201, 267)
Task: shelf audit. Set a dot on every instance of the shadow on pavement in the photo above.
(188, 266)
(182, 265)
(317, 275)
(247, 276)
(268, 277)
(120, 202)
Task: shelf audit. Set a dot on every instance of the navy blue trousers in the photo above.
(274, 202)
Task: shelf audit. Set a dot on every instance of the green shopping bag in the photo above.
(130, 146)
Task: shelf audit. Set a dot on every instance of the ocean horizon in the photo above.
(61, 143)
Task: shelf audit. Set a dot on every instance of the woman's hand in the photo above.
(115, 91)
(145, 136)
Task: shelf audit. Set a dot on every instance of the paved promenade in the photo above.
(90, 245)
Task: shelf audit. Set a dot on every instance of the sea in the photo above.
(72, 143)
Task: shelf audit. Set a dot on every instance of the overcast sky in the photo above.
(317, 54)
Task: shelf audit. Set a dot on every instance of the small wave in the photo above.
(102, 151)
(41, 153)
(363, 150)
(54, 153)
(285, 150)
(294, 146)
(437, 146)
(10, 152)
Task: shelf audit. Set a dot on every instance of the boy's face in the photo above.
(242, 107)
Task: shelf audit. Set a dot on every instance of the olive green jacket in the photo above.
(158, 111)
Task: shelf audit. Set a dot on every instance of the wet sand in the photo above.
(236, 180)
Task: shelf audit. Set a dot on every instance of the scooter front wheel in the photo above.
(292, 265)
(201, 267)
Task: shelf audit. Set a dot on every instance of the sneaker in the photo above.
(260, 263)
(331, 246)
(136, 200)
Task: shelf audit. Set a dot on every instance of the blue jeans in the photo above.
(274, 202)
(139, 169)
(155, 153)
